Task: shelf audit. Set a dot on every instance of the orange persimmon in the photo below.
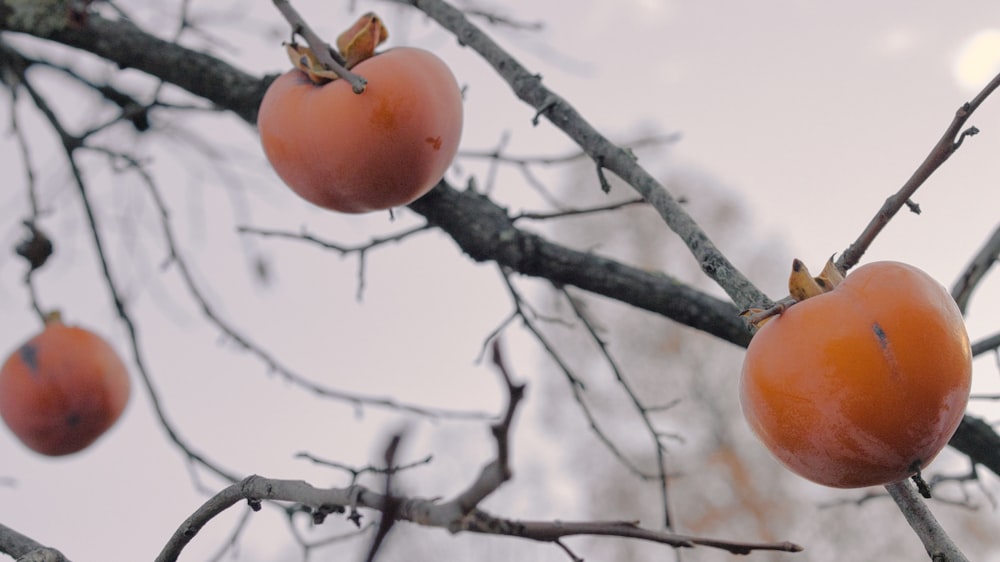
(379, 149)
(62, 389)
(863, 384)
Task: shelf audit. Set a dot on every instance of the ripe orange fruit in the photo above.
(862, 385)
(62, 389)
(376, 150)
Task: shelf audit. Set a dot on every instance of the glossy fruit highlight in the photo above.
(863, 384)
(376, 150)
(62, 389)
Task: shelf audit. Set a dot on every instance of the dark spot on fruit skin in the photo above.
(435, 142)
(883, 342)
(880, 334)
(30, 357)
(73, 419)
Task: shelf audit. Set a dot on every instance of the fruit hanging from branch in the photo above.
(864, 380)
(62, 389)
(356, 153)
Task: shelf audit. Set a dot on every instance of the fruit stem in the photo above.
(323, 52)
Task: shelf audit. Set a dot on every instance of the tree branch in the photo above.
(226, 87)
(949, 142)
(430, 513)
(938, 544)
(981, 263)
(479, 226)
(528, 87)
(128, 46)
(25, 549)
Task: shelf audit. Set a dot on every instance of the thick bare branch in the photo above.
(128, 46)
(26, 549)
(528, 87)
(255, 489)
(481, 228)
(486, 232)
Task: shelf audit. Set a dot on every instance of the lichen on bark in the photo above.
(40, 17)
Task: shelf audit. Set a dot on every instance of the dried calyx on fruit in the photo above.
(356, 44)
(367, 149)
(802, 285)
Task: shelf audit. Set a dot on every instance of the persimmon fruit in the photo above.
(379, 149)
(62, 389)
(863, 384)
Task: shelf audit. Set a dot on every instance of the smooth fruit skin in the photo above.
(376, 150)
(863, 385)
(62, 389)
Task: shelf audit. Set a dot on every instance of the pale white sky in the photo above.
(811, 113)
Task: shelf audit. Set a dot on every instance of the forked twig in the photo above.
(949, 142)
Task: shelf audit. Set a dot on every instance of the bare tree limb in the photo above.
(981, 263)
(391, 504)
(26, 549)
(462, 214)
(128, 46)
(528, 87)
(989, 343)
(979, 441)
(938, 544)
(433, 514)
(486, 232)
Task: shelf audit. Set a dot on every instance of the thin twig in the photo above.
(575, 384)
(947, 145)
(360, 249)
(357, 472)
(579, 212)
(498, 471)
(391, 507)
(568, 158)
(949, 142)
(661, 461)
(70, 146)
(244, 342)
